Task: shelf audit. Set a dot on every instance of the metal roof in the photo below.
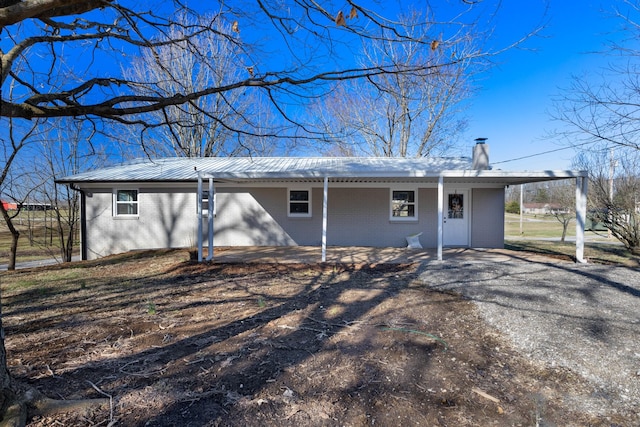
(186, 169)
(363, 169)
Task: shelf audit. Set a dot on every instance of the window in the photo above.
(126, 203)
(456, 206)
(403, 205)
(204, 203)
(299, 203)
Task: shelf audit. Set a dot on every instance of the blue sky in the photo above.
(513, 104)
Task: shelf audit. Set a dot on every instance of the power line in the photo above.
(543, 153)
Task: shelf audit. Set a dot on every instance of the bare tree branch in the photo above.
(306, 29)
(410, 113)
(602, 106)
(12, 12)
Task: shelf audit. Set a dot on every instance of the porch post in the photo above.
(199, 211)
(324, 218)
(210, 214)
(581, 216)
(440, 214)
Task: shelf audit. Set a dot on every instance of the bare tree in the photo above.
(289, 54)
(65, 150)
(614, 193)
(562, 199)
(410, 114)
(602, 111)
(602, 106)
(207, 126)
(16, 141)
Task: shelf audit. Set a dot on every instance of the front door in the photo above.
(456, 218)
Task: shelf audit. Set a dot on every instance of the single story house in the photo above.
(319, 201)
(9, 206)
(544, 208)
(13, 206)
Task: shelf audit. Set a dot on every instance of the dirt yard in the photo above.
(177, 343)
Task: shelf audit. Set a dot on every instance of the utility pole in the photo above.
(612, 167)
(521, 206)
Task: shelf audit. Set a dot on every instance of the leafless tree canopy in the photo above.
(206, 126)
(600, 112)
(602, 106)
(65, 57)
(14, 142)
(614, 192)
(563, 200)
(413, 114)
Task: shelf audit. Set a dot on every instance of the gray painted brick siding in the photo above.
(258, 216)
(356, 217)
(167, 220)
(487, 220)
(360, 217)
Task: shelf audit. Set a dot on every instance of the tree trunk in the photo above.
(13, 253)
(68, 246)
(15, 235)
(565, 225)
(6, 391)
(5, 378)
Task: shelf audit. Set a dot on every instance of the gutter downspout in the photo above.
(83, 221)
(210, 215)
(324, 218)
(440, 214)
(199, 210)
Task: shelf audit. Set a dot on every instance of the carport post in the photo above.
(210, 214)
(199, 210)
(440, 214)
(324, 218)
(581, 215)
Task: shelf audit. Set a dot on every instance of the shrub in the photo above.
(512, 207)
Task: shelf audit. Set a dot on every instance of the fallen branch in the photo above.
(111, 420)
(46, 406)
(33, 403)
(485, 395)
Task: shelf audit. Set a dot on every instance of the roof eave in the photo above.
(508, 177)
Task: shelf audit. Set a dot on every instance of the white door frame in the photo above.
(453, 236)
(441, 214)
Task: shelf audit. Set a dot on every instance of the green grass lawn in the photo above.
(542, 233)
(39, 243)
(543, 227)
(540, 226)
(594, 252)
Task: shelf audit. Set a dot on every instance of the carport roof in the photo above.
(310, 169)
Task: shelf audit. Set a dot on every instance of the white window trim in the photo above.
(299, 215)
(115, 203)
(415, 206)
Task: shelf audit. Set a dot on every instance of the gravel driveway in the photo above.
(585, 317)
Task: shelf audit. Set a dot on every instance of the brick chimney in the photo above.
(480, 159)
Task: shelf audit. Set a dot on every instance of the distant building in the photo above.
(543, 208)
(9, 206)
(37, 206)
